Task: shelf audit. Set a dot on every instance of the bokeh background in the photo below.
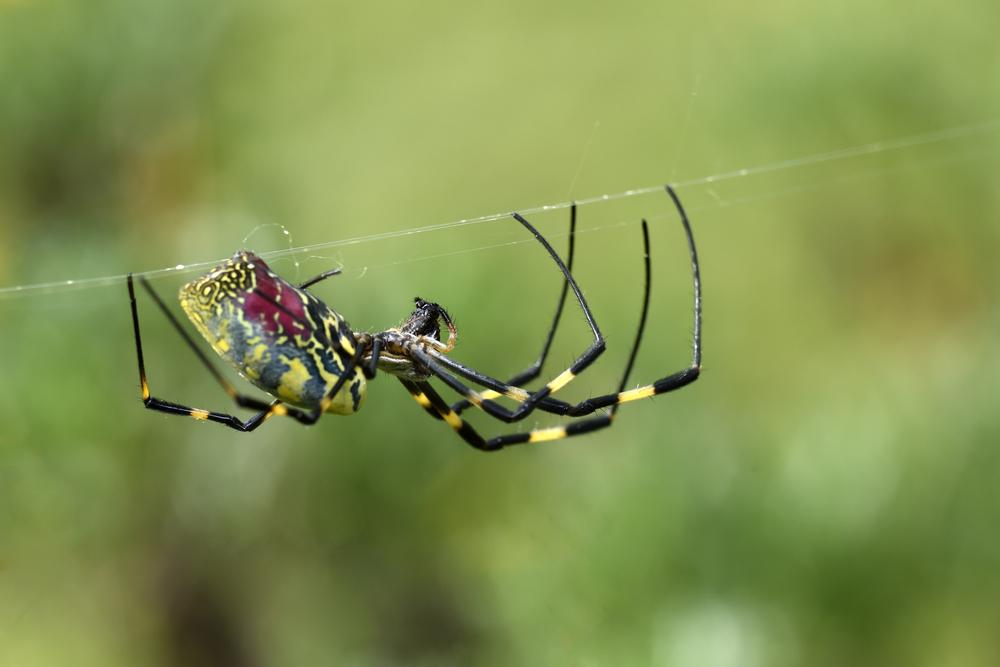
(826, 494)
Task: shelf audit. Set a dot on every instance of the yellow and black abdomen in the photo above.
(282, 339)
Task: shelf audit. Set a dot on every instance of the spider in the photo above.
(296, 348)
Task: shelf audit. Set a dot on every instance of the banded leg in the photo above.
(425, 395)
(440, 365)
(267, 410)
(535, 369)
(528, 401)
(676, 380)
(241, 400)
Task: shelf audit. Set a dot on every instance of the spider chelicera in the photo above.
(296, 348)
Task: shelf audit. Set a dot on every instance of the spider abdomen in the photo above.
(279, 337)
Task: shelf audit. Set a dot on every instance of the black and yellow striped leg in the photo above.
(482, 399)
(267, 410)
(528, 401)
(676, 380)
(439, 363)
(425, 395)
(233, 422)
(489, 406)
(590, 355)
(241, 400)
(431, 361)
(535, 369)
(494, 386)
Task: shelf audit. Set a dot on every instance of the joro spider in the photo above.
(296, 348)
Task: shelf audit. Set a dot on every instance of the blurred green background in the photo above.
(826, 494)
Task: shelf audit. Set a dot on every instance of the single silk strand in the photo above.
(912, 141)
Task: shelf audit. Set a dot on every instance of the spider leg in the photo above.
(439, 364)
(242, 400)
(425, 395)
(535, 369)
(527, 401)
(322, 276)
(435, 363)
(266, 410)
(550, 404)
(675, 380)
(643, 315)
(494, 386)
(370, 367)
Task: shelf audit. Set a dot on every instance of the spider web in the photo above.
(950, 135)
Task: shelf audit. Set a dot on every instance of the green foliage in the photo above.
(825, 494)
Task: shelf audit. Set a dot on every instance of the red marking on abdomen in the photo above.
(275, 303)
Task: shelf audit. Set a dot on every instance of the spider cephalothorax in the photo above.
(421, 329)
(296, 348)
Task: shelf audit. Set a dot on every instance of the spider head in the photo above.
(425, 320)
